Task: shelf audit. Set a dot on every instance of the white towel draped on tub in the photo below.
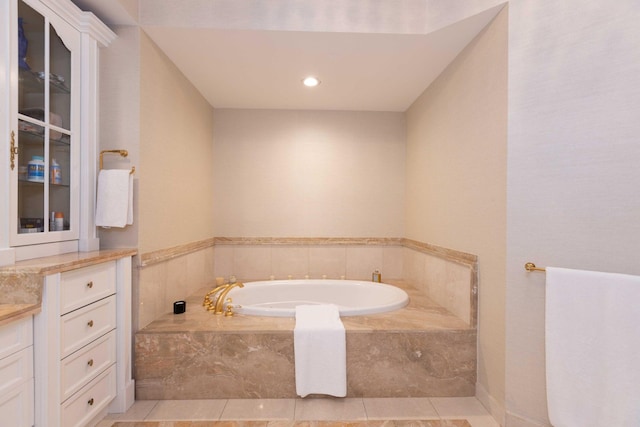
(592, 348)
(319, 343)
(114, 202)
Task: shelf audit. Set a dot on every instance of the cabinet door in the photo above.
(16, 406)
(45, 171)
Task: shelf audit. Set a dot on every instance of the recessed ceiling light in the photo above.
(311, 81)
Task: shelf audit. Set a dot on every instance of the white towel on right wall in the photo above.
(592, 348)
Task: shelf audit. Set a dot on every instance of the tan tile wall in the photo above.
(260, 262)
(159, 283)
(447, 282)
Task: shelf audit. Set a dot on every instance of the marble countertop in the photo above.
(12, 312)
(21, 283)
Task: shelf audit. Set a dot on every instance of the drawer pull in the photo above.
(90, 323)
(90, 285)
(90, 362)
(90, 402)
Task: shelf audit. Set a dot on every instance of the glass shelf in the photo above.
(25, 181)
(34, 137)
(33, 82)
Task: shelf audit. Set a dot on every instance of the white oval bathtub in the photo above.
(280, 297)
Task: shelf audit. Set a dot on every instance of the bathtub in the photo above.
(280, 297)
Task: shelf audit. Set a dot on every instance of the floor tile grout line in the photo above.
(366, 414)
(150, 410)
(435, 409)
(226, 402)
(295, 407)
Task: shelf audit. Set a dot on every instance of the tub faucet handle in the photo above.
(207, 298)
(222, 297)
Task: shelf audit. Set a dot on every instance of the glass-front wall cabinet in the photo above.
(45, 167)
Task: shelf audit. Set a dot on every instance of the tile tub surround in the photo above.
(334, 258)
(449, 281)
(168, 275)
(448, 276)
(422, 350)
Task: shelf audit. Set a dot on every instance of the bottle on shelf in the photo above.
(35, 169)
(55, 173)
(59, 221)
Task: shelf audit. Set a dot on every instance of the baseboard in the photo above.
(495, 408)
(513, 420)
(124, 399)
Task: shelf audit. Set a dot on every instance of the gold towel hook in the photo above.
(532, 267)
(123, 153)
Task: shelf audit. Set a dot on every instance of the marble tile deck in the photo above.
(421, 350)
(421, 313)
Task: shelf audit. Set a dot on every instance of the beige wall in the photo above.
(285, 173)
(574, 103)
(150, 109)
(176, 155)
(456, 182)
(120, 120)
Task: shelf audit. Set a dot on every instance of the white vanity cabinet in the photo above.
(48, 127)
(16, 373)
(83, 344)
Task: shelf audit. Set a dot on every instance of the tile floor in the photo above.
(316, 409)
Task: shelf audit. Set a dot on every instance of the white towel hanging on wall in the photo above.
(114, 203)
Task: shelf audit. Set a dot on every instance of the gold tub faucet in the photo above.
(219, 306)
(207, 298)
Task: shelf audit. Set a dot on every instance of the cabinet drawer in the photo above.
(16, 406)
(82, 326)
(85, 404)
(85, 364)
(15, 336)
(16, 369)
(86, 285)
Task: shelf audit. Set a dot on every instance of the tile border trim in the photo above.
(162, 255)
(460, 257)
(319, 241)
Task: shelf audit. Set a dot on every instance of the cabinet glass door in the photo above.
(45, 139)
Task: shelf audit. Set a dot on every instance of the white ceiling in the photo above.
(256, 68)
